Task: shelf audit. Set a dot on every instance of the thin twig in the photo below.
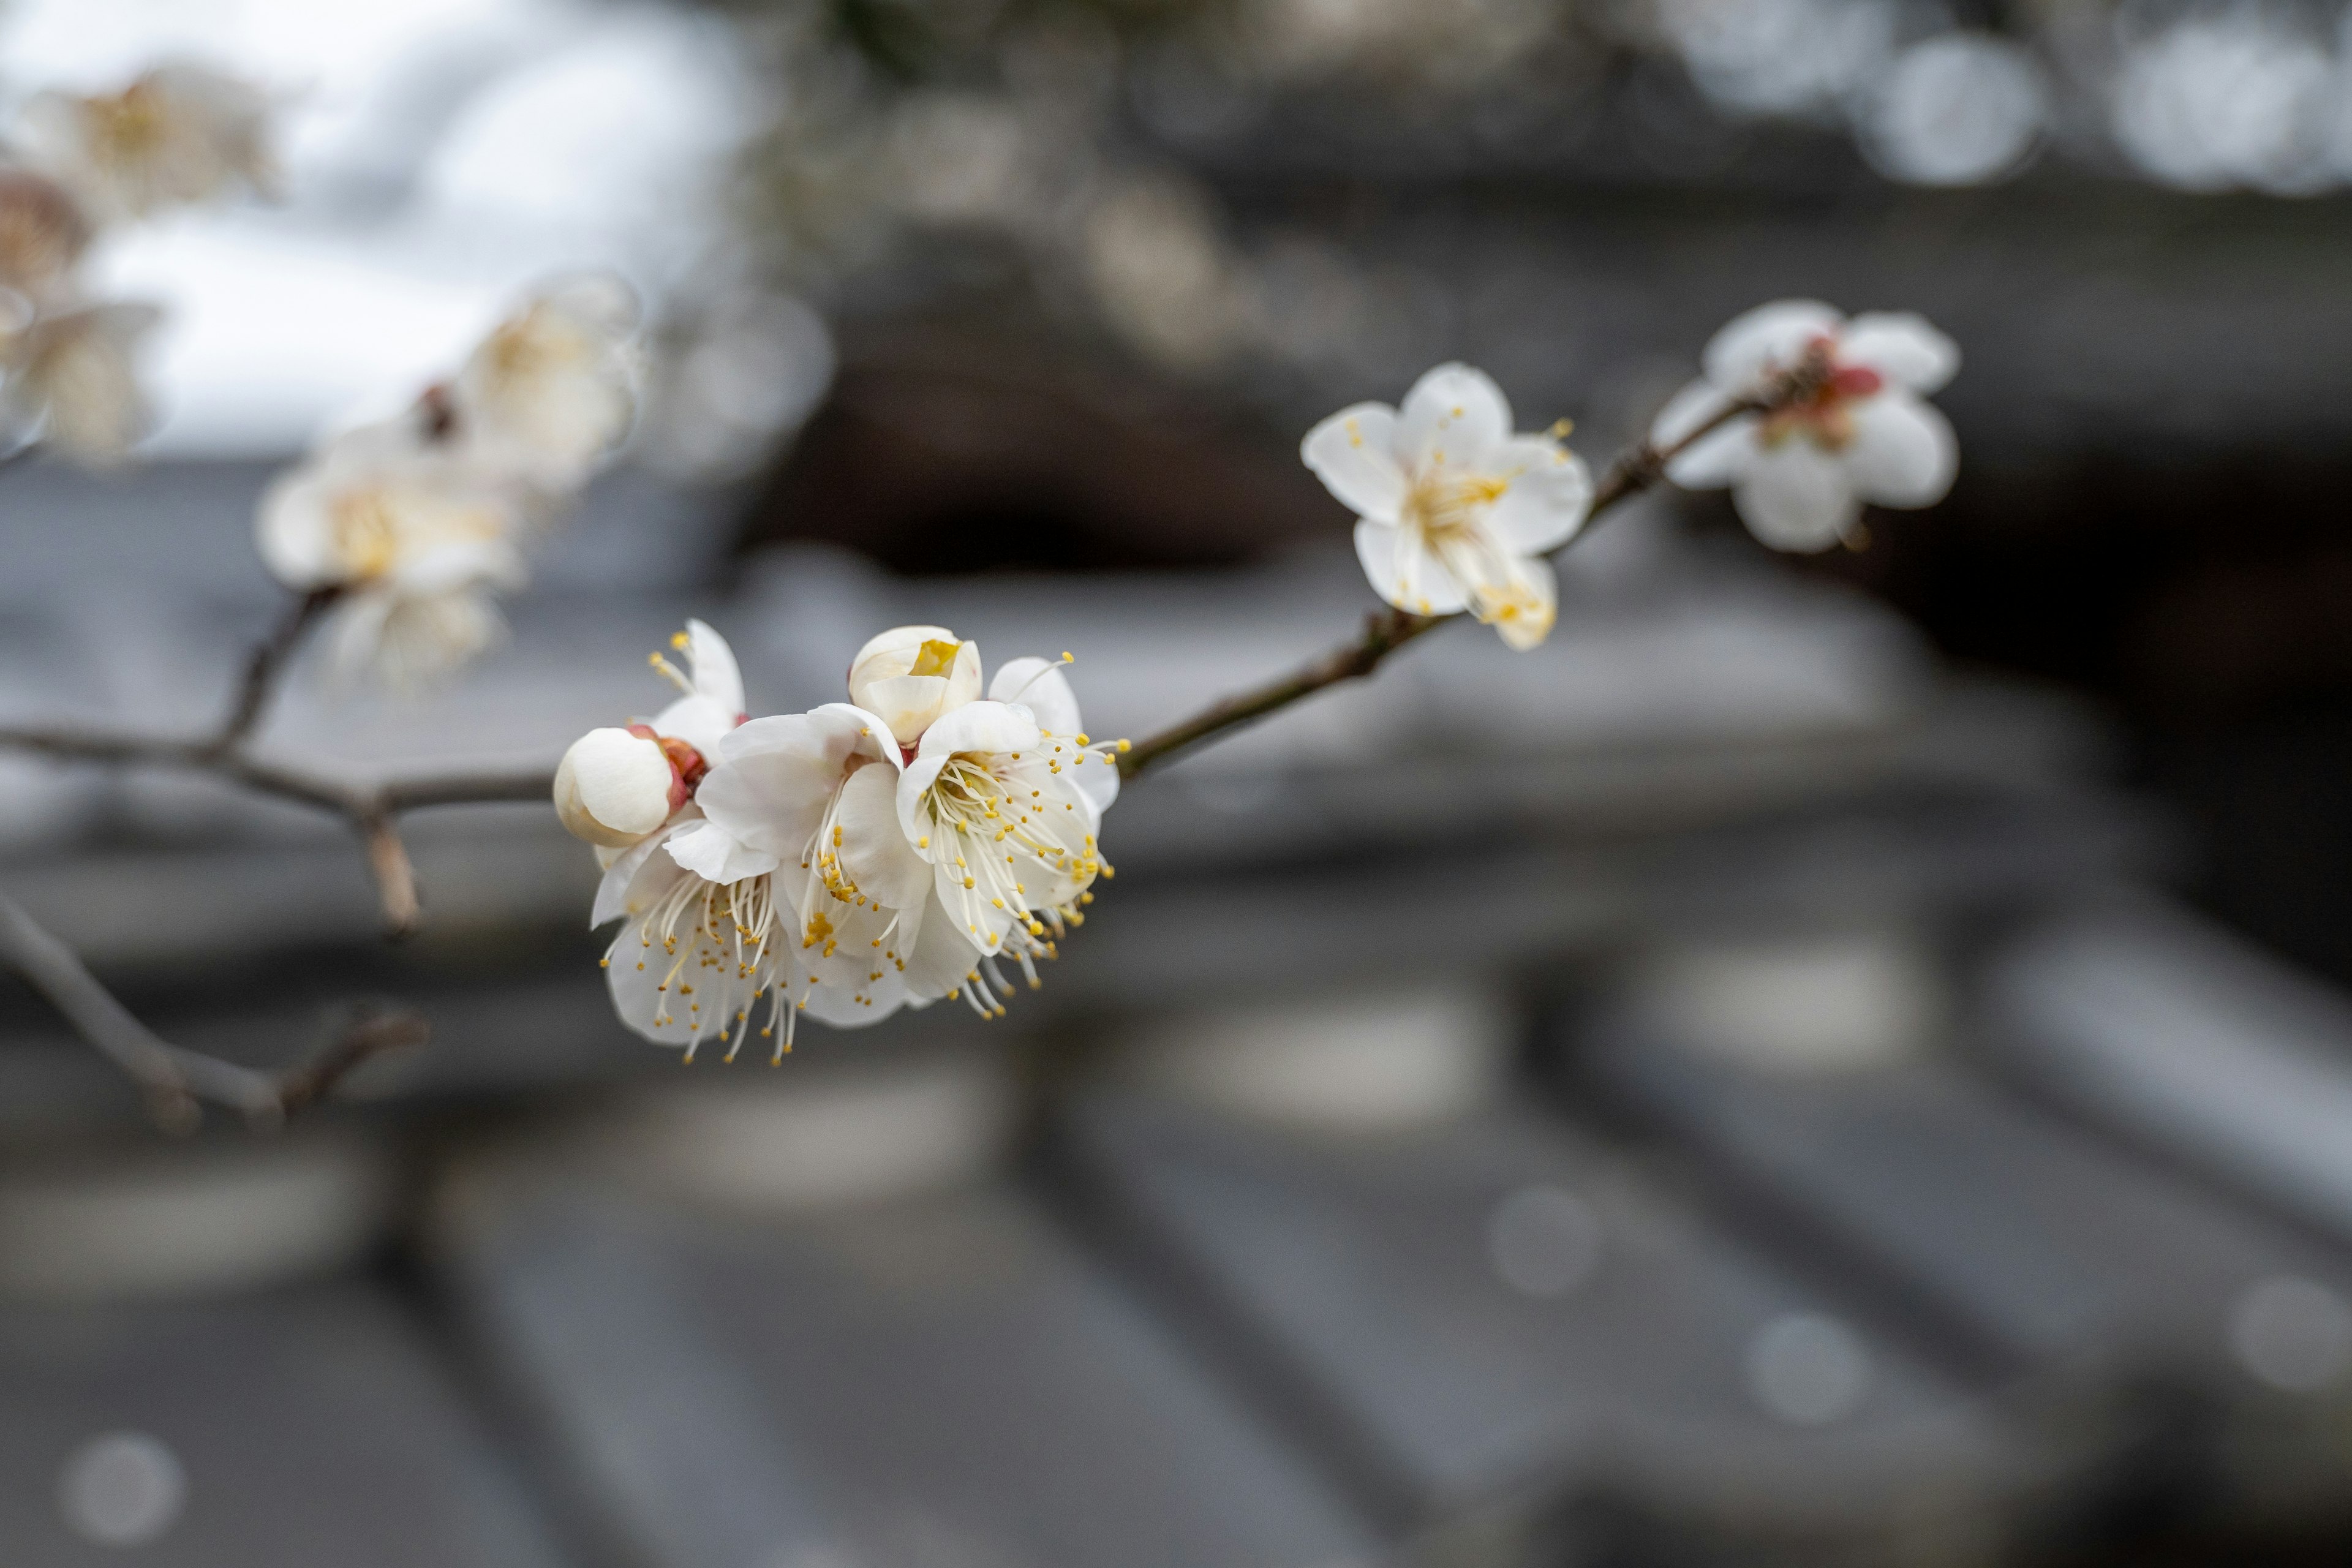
(268, 658)
(174, 1078)
(1635, 469)
(372, 809)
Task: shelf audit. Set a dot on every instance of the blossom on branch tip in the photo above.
(1454, 511)
(554, 387)
(1800, 474)
(415, 538)
(912, 675)
(179, 134)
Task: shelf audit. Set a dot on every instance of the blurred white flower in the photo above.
(1003, 802)
(1454, 511)
(43, 233)
(554, 387)
(73, 380)
(179, 134)
(1799, 475)
(911, 675)
(416, 538)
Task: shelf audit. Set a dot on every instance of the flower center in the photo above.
(934, 658)
(1448, 507)
(366, 533)
(1013, 828)
(129, 126)
(716, 942)
(1825, 417)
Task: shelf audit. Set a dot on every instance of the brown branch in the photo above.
(395, 874)
(372, 810)
(177, 1080)
(1635, 469)
(267, 660)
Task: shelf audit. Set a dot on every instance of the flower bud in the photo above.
(909, 676)
(614, 786)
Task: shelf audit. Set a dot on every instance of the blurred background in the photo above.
(1830, 1060)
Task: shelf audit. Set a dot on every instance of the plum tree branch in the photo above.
(1637, 468)
(176, 1080)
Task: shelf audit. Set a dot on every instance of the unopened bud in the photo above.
(614, 786)
(909, 676)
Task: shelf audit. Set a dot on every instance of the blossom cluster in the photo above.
(888, 851)
(178, 135)
(414, 524)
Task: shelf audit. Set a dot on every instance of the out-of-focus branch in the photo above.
(372, 809)
(1635, 469)
(177, 1080)
(268, 660)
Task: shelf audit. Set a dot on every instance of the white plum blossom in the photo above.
(1454, 511)
(415, 539)
(179, 134)
(1004, 800)
(911, 675)
(554, 387)
(417, 523)
(1800, 474)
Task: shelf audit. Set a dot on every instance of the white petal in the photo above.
(717, 677)
(1797, 497)
(612, 787)
(1040, 685)
(893, 652)
(874, 848)
(943, 955)
(1455, 412)
(294, 529)
(775, 774)
(1403, 574)
(1770, 337)
(698, 721)
(633, 879)
(1904, 452)
(1526, 619)
(912, 786)
(1549, 490)
(1097, 785)
(715, 854)
(841, 1008)
(1354, 453)
(980, 727)
(1902, 347)
(1717, 459)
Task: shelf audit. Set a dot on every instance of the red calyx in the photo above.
(686, 765)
